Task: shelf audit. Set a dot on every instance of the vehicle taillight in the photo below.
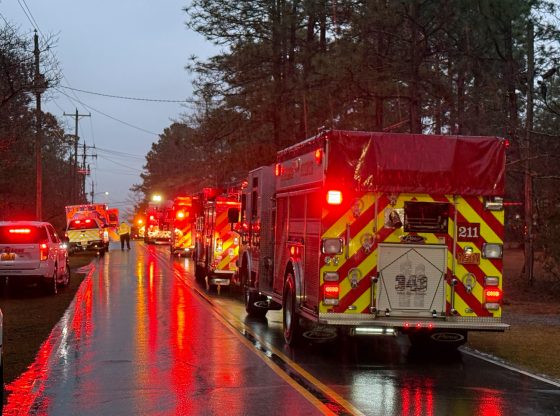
(331, 291)
(492, 294)
(43, 251)
(180, 215)
(334, 197)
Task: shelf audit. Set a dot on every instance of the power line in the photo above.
(121, 97)
(111, 117)
(121, 164)
(122, 154)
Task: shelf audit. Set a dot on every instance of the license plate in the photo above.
(84, 243)
(8, 256)
(473, 258)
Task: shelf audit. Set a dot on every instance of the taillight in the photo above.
(331, 291)
(492, 294)
(334, 197)
(492, 298)
(43, 251)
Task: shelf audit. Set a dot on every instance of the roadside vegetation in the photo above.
(29, 317)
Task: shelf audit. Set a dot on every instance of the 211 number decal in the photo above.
(468, 231)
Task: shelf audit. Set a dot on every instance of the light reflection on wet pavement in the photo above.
(139, 341)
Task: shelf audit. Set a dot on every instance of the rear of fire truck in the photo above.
(380, 234)
(158, 222)
(182, 241)
(217, 243)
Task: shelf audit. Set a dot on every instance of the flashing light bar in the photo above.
(19, 231)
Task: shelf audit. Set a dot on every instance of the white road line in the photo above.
(494, 360)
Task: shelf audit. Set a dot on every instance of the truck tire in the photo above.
(293, 333)
(250, 296)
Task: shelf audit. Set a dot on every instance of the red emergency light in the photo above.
(295, 251)
(334, 197)
(318, 156)
(19, 231)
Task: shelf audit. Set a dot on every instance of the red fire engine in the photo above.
(216, 243)
(182, 241)
(377, 233)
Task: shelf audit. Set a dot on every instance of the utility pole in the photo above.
(84, 170)
(76, 139)
(39, 86)
(528, 178)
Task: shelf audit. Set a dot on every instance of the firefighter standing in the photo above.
(124, 234)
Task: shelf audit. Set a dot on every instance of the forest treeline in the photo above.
(287, 69)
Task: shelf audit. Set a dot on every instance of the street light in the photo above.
(156, 198)
(106, 193)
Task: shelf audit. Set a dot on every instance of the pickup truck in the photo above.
(87, 235)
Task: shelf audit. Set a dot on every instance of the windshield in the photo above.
(82, 224)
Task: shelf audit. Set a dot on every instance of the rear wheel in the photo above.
(290, 317)
(250, 296)
(199, 273)
(66, 275)
(50, 284)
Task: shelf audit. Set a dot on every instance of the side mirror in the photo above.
(233, 215)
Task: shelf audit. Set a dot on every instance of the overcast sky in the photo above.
(128, 48)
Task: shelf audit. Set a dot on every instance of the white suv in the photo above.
(31, 250)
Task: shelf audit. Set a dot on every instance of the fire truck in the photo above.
(217, 242)
(182, 241)
(365, 233)
(158, 222)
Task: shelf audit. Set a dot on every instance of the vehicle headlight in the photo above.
(331, 246)
(492, 251)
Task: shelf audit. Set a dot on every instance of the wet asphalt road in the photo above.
(143, 338)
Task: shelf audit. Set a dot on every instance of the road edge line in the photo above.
(509, 366)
